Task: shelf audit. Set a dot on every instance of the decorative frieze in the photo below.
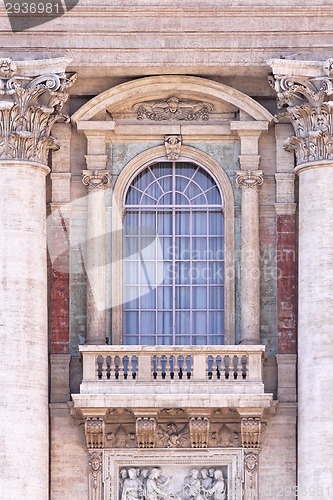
(250, 429)
(306, 103)
(96, 179)
(172, 145)
(249, 178)
(173, 109)
(29, 107)
(173, 435)
(146, 432)
(199, 431)
(94, 429)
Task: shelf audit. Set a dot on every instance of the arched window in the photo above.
(173, 268)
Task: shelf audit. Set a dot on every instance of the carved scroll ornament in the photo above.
(173, 109)
(26, 120)
(307, 104)
(172, 145)
(96, 179)
(249, 178)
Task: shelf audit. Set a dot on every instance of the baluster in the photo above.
(235, 367)
(99, 367)
(108, 367)
(226, 367)
(116, 367)
(180, 367)
(125, 366)
(210, 361)
(155, 366)
(164, 365)
(134, 367)
(244, 366)
(189, 367)
(172, 367)
(218, 367)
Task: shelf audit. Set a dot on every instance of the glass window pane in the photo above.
(199, 297)
(148, 298)
(131, 294)
(183, 223)
(199, 322)
(216, 297)
(182, 248)
(199, 248)
(183, 323)
(216, 223)
(147, 247)
(147, 323)
(183, 297)
(164, 323)
(164, 223)
(216, 248)
(147, 273)
(164, 297)
(164, 340)
(199, 272)
(183, 273)
(182, 340)
(216, 323)
(199, 222)
(131, 247)
(131, 323)
(168, 272)
(147, 340)
(216, 273)
(131, 274)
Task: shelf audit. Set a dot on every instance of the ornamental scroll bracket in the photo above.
(94, 428)
(29, 107)
(146, 432)
(199, 431)
(250, 431)
(306, 102)
(249, 178)
(96, 179)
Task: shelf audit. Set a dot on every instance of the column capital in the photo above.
(305, 102)
(96, 179)
(249, 178)
(26, 121)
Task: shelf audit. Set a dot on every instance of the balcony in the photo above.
(171, 376)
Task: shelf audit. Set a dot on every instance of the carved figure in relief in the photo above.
(173, 109)
(218, 491)
(192, 486)
(154, 486)
(173, 437)
(132, 488)
(206, 481)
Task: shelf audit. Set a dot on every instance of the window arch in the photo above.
(173, 281)
(134, 168)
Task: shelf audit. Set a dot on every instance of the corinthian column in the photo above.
(30, 104)
(306, 103)
(97, 180)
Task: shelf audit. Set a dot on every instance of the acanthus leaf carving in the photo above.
(173, 109)
(307, 104)
(25, 123)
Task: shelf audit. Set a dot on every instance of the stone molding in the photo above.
(96, 179)
(249, 178)
(26, 120)
(94, 428)
(305, 101)
(172, 145)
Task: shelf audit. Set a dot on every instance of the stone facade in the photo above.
(89, 100)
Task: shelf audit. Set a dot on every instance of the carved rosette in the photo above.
(95, 476)
(249, 178)
(94, 429)
(250, 430)
(146, 432)
(29, 107)
(96, 179)
(172, 145)
(307, 104)
(199, 432)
